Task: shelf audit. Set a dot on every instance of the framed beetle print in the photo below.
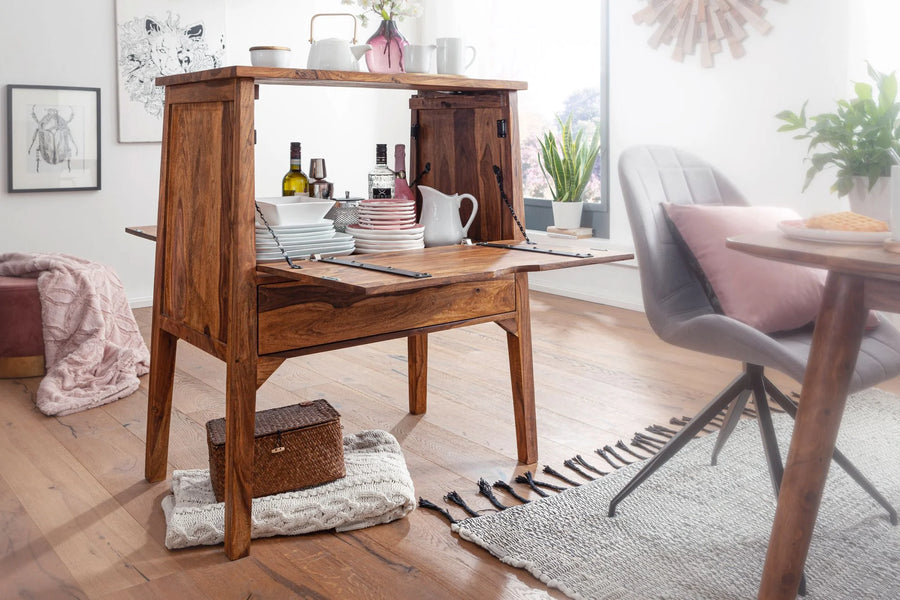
(53, 138)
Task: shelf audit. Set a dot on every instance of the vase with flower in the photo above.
(388, 53)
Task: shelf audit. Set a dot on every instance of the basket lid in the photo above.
(282, 419)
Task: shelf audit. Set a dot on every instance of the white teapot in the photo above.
(335, 54)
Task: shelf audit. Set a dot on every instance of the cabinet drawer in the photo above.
(296, 315)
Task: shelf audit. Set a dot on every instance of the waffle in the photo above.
(846, 221)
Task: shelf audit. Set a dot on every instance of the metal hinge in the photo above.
(414, 131)
(501, 128)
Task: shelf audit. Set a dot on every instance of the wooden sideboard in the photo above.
(210, 291)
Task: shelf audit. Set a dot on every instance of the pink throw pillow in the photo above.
(767, 295)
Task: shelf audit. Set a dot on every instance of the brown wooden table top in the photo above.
(860, 259)
(397, 81)
(444, 264)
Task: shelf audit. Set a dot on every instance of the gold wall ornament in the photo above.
(702, 25)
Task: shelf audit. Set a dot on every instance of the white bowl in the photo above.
(293, 210)
(270, 56)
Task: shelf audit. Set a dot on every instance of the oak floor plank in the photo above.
(78, 516)
(31, 567)
(94, 536)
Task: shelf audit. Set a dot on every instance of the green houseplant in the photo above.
(856, 139)
(567, 163)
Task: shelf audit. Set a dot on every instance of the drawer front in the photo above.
(293, 316)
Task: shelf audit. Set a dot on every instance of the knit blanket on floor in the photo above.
(377, 489)
(93, 349)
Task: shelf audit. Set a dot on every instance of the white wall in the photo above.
(725, 113)
(54, 42)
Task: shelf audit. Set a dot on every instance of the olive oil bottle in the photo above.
(295, 182)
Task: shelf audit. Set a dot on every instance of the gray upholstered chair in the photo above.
(680, 312)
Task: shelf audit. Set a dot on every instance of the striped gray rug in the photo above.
(696, 532)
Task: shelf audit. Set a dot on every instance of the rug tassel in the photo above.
(651, 439)
(621, 446)
(528, 480)
(457, 500)
(484, 488)
(551, 471)
(509, 490)
(660, 430)
(580, 460)
(432, 506)
(646, 448)
(570, 463)
(603, 455)
(613, 452)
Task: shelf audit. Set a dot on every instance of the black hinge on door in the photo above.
(501, 128)
(414, 131)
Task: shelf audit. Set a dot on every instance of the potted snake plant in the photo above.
(567, 162)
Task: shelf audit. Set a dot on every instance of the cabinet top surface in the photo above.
(396, 81)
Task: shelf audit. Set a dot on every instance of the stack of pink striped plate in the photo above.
(387, 224)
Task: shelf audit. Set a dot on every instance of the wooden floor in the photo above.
(78, 520)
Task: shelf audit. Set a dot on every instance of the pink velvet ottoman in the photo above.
(21, 335)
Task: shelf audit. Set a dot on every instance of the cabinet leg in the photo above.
(417, 357)
(159, 403)
(521, 370)
(240, 419)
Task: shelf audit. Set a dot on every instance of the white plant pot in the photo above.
(567, 214)
(875, 203)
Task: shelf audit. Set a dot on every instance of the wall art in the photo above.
(161, 38)
(53, 143)
(703, 26)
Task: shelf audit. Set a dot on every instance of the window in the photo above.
(559, 48)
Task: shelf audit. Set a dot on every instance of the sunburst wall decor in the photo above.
(703, 26)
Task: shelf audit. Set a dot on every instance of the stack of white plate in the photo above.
(385, 225)
(300, 241)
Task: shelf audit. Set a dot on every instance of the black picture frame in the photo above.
(53, 138)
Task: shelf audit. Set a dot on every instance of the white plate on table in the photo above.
(321, 225)
(798, 230)
(278, 257)
(294, 238)
(390, 245)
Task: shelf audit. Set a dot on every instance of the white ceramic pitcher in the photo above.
(440, 216)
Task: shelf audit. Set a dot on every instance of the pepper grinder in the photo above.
(319, 187)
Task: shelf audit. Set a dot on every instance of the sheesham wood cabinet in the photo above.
(210, 291)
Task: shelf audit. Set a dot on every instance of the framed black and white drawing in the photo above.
(156, 38)
(53, 141)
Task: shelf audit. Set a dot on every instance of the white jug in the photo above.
(440, 216)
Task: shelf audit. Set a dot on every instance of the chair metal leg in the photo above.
(731, 420)
(790, 407)
(678, 441)
(767, 428)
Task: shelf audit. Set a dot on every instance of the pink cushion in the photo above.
(765, 294)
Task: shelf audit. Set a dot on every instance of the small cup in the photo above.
(451, 56)
(419, 58)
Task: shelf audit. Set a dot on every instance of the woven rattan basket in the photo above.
(295, 447)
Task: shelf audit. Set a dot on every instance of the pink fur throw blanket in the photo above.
(93, 349)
